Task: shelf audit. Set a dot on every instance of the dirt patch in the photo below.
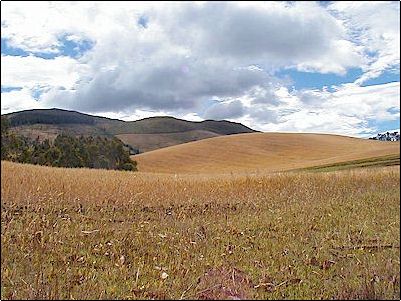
(224, 284)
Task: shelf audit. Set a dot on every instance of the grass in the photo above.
(261, 153)
(94, 234)
(388, 160)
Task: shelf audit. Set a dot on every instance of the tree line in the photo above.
(65, 151)
(49, 117)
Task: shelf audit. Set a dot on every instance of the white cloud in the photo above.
(272, 34)
(189, 54)
(37, 26)
(18, 100)
(344, 55)
(191, 117)
(225, 110)
(347, 110)
(375, 27)
(31, 71)
(129, 116)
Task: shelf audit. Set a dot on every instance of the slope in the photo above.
(149, 142)
(145, 134)
(261, 152)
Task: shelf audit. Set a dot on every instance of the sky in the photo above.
(322, 67)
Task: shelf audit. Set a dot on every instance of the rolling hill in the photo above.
(261, 152)
(145, 134)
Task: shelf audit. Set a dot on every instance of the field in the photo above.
(96, 234)
(388, 160)
(261, 153)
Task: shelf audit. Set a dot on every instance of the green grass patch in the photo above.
(381, 161)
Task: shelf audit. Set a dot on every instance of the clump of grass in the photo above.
(96, 234)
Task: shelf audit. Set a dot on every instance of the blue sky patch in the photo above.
(9, 89)
(46, 55)
(394, 110)
(68, 48)
(310, 80)
(13, 51)
(143, 21)
(8, 50)
(74, 49)
(383, 126)
(36, 93)
(384, 78)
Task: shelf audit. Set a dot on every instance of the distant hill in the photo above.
(262, 152)
(148, 142)
(145, 134)
(52, 116)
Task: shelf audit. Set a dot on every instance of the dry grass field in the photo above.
(96, 234)
(261, 153)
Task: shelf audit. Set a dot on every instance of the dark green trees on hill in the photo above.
(66, 151)
(54, 116)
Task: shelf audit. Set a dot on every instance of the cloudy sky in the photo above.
(331, 67)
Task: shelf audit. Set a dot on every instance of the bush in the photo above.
(128, 166)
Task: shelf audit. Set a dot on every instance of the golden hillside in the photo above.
(261, 152)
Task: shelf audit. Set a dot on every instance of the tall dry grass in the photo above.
(91, 234)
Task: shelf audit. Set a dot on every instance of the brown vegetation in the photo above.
(96, 234)
(261, 153)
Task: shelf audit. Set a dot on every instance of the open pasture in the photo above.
(93, 234)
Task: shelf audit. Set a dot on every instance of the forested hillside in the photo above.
(65, 151)
(142, 135)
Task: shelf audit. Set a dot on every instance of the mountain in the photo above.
(143, 135)
(265, 152)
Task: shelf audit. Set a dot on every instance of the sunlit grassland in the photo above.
(262, 152)
(79, 233)
(389, 160)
